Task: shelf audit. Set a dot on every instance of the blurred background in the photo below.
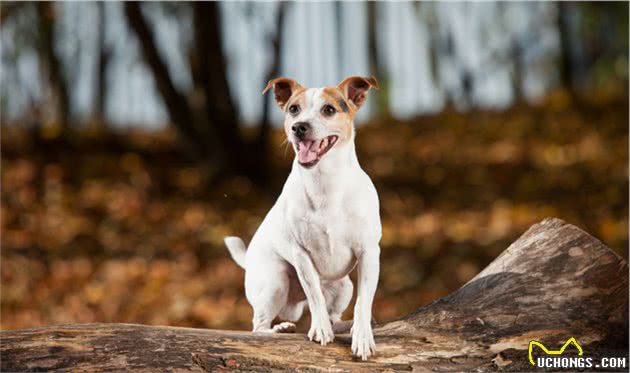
(135, 136)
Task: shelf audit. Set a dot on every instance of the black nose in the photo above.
(300, 129)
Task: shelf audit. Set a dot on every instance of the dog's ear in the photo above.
(355, 88)
(283, 89)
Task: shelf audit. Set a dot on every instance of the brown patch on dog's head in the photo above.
(335, 97)
(296, 99)
(283, 89)
(343, 118)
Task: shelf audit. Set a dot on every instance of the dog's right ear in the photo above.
(283, 89)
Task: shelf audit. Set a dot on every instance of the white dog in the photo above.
(325, 222)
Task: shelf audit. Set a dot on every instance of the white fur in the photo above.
(325, 222)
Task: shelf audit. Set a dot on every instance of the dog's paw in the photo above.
(284, 327)
(363, 345)
(321, 331)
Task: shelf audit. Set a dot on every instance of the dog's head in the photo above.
(319, 120)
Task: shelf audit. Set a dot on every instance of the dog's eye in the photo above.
(328, 110)
(294, 110)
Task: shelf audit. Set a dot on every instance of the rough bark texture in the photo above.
(554, 282)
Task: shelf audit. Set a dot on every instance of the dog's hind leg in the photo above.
(267, 294)
(266, 307)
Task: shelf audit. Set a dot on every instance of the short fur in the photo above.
(325, 222)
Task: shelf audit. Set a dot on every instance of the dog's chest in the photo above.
(327, 236)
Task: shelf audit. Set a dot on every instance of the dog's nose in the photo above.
(300, 129)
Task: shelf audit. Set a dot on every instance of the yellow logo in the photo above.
(553, 352)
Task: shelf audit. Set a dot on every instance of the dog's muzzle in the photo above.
(300, 129)
(309, 151)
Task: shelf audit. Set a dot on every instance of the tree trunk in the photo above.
(176, 104)
(209, 122)
(8, 9)
(517, 72)
(46, 17)
(262, 141)
(232, 149)
(376, 65)
(100, 81)
(555, 282)
(567, 76)
(427, 14)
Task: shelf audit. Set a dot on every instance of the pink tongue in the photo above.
(305, 154)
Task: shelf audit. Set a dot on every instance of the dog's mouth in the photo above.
(309, 152)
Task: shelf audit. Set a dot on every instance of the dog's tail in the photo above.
(237, 249)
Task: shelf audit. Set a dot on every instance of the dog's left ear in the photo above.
(355, 88)
(283, 89)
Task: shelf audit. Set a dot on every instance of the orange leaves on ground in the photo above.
(132, 233)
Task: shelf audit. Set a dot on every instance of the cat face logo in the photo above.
(553, 352)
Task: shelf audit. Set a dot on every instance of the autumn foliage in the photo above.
(119, 227)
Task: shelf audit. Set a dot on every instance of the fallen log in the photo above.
(555, 282)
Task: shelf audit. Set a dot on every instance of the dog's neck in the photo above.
(325, 179)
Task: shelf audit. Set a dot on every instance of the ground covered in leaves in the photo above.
(118, 227)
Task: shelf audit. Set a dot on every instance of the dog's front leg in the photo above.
(368, 270)
(321, 329)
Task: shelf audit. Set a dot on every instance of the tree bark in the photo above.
(553, 283)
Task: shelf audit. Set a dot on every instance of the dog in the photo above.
(325, 222)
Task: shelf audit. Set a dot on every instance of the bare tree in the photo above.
(340, 55)
(564, 29)
(376, 65)
(175, 102)
(100, 80)
(46, 18)
(206, 118)
(274, 71)
(426, 14)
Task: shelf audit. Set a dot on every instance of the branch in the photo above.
(553, 283)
